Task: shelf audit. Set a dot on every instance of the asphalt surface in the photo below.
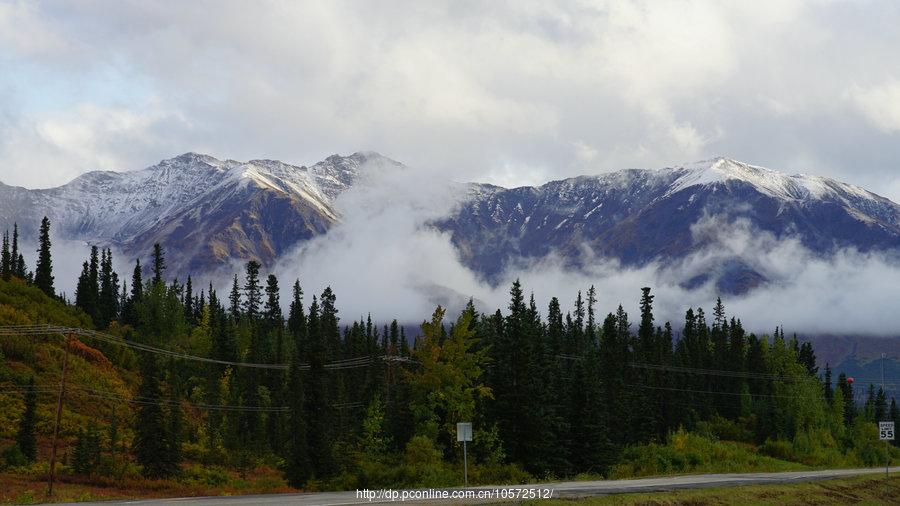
(569, 489)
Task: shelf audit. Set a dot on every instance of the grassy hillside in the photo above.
(92, 368)
(41, 357)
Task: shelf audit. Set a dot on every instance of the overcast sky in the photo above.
(510, 92)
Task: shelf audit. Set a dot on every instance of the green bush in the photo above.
(686, 452)
(729, 430)
(818, 447)
(779, 449)
(496, 474)
(865, 444)
(379, 474)
(211, 476)
(423, 466)
(13, 457)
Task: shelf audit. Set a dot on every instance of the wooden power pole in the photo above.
(59, 404)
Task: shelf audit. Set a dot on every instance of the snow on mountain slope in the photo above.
(642, 216)
(775, 184)
(212, 210)
(118, 205)
(336, 174)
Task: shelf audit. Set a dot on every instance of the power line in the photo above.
(727, 393)
(717, 372)
(350, 363)
(50, 329)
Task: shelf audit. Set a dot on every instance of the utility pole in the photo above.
(59, 403)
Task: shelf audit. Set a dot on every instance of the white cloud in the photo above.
(511, 93)
(85, 138)
(384, 259)
(24, 32)
(468, 90)
(880, 104)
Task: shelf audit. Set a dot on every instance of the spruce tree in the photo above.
(506, 378)
(807, 357)
(613, 358)
(5, 258)
(252, 291)
(26, 438)
(272, 315)
(108, 297)
(829, 388)
(589, 446)
(84, 292)
(129, 311)
(395, 338)
(718, 314)
(881, 407)
(297, 465)
(43, 272)
(235, 299)
(296, 322)
(188, 303)
(734, 361)
(331, 335)
(646, 402)
(21, 269)
(18, 261)
(94, 271)
(159, 264)
(224, 343)
(847, 391)
(87, 452)
(317, 405)
(17, 270)
(173, 432)
(273, 331)
(151, 440)
(94, 287)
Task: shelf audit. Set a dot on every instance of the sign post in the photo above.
(885, 430)
(886, 433)
(464, 434)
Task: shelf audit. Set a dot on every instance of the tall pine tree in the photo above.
(26, 438)
(43, 272)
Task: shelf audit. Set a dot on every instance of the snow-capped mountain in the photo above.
(210, 212)
(641, 216)
(207, 212)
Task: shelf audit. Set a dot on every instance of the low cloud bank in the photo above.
(385, 260)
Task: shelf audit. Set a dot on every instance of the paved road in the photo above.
(559, 489)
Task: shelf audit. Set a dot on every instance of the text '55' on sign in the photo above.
(886, 431)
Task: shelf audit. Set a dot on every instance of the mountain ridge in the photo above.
(643, 215)
(212, 212)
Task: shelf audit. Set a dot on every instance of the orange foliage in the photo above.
(90, 354)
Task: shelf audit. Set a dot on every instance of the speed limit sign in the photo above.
(886, 431)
